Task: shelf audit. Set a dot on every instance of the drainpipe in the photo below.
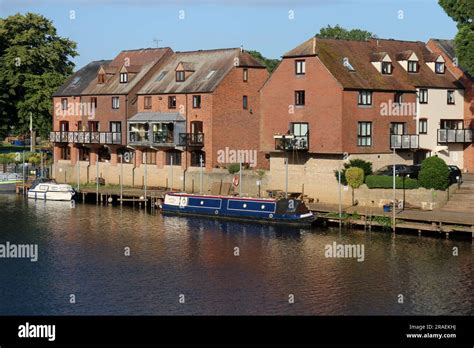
(186, 147)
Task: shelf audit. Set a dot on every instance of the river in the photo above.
(190, 266)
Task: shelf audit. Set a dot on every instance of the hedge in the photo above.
(386, 182)
(434, 174)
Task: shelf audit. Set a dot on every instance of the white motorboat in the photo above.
(51, 191)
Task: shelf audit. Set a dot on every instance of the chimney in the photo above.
(314, 45)
(241, 48)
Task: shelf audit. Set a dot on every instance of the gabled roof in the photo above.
(137, 62)
(209, 66)
(447, 46)
(80, 80)
(359, 54)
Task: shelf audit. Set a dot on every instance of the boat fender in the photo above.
(216, 212)
(235, 180)
(270, 216)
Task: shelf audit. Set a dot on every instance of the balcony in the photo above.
(82, 137)
(451, 136)
(404, 141)
(191, 139)
(290, 142)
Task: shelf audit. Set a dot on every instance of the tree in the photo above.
(34, 62)
(355, 178)
(434, 174)
(462, 12)
(340, 33)
(271, 64)
(366, 166)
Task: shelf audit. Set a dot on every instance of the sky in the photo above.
(102, 28)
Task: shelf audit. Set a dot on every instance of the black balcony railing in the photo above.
(291, 142)
(404, 141)
(82, 137)
(446, 136)
(191, 139)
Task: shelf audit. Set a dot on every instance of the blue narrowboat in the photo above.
(279, 211)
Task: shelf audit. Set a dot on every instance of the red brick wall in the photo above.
(233, 126)
(322, 109)
(353, 113)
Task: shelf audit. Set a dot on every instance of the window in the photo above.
(299, 129)
(386, 68)
(172, 102)
(64, 103)
(93, 126)
(174, 156)
(196, 157)
(423, 96)
(450, 97)
(180, 76)
(364, 134)
(423, 126)
(196, 127)
(365, 98)
(149, 156)
(398, 98)
(79, 125)
(101, 78)
(196, 101)
(398, 128)
(412, 66)
(452, 124)
(147, 102)
(300, 67)
(66, 153)
(245, 102)
(299, 98)
(123, 77)
(64, 126)
(115, 102)
(246, 75)
(116, 127)
(439, 68)
(94, 102)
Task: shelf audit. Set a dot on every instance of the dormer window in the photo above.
(123, 77)
(439, 67)
(386, 68)
(412, 66)
(101, 78)
(180, 76)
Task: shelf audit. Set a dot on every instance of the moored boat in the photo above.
(8, 181)
(51, 191)
(268, 210)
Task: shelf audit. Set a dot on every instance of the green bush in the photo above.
(365, 165)
(386, 182)
(434, 174)
(233, 168)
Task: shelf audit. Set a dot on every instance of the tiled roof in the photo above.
(137, 62)
(209, 68)
(359, 54)
(81, 79)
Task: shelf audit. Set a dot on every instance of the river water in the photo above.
(81, 252)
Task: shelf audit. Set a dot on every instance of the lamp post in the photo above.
(394, 189)
(201, 164)
(121, 178)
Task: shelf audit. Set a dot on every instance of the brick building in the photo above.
(329, 97)
(92, 107)
(200, 105)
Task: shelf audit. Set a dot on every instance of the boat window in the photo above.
(43, 188)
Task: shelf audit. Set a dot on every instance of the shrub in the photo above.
(233, 168)
(386, 182)
(434, 174)
(355, 178)
(359, 163)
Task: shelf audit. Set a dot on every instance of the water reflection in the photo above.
(82, 252)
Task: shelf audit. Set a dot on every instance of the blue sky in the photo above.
(104, 27)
